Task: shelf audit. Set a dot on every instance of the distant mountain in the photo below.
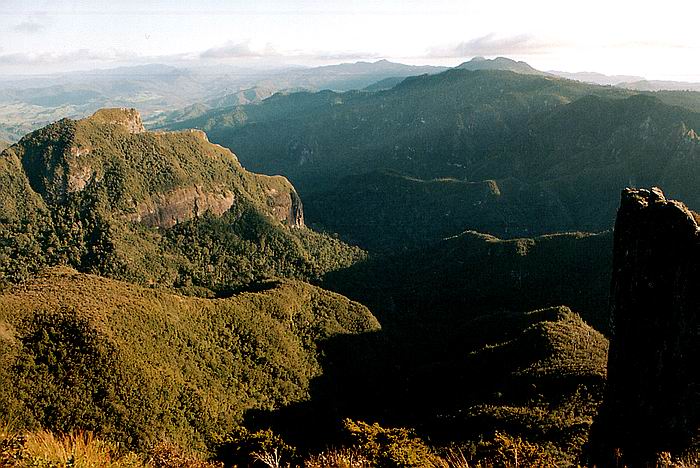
(655, 85)
(596, 78)
(541, 141)
(386, 83)
(499, 63)
(246, 96)
(166, 93)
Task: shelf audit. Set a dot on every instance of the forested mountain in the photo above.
(444, 267)
(494, 151)
(104, 196)
(176, 216)
(499, 63)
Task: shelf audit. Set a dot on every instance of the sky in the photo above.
(653, 39)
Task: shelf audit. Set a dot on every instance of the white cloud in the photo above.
(47, 58)
(29, 26)
(492, 44)
(244, 49)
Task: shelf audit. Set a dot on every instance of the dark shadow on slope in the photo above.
(254, 287)
(499, 371)
(441, 308)
(475, 273)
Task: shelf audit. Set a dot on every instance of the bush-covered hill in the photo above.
(139, 365)
(536, 375)
(559, 152)
(104, 196)
(387, 211)
(427, 126)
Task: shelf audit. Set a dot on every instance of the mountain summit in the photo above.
(500, 63)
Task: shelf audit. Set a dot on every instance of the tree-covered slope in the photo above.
(558, 150)
(139, 365)
(104, 196)
(427, 126)
(385, 211)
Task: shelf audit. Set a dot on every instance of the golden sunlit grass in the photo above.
(80, 449)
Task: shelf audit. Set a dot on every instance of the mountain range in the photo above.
(494, 151)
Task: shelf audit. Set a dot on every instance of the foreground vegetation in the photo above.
(136, 364)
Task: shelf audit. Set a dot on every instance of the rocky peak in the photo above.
(652, 404)
(130, 119)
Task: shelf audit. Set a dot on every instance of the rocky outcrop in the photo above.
(130, 119)
(652, 403)
(286, 205)
(158, 179)
(168, 209)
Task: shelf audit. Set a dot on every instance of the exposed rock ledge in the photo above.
(168, 209)
(130, 119)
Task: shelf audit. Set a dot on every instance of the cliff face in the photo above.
(652, 403)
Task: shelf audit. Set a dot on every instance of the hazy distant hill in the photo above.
(656, 85)
(500, 63)
(28, 103)
(596, 78)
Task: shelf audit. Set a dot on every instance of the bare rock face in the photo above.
(286, 205)
(130, 119)
(169, 209)
(652, 404)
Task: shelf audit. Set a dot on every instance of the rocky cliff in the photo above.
(652, 404)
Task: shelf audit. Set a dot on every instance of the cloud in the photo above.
(325, 55)
(244, 50)
(47, 58)
(650, 44)
(491, 44)
(29, 26)
(238, 50)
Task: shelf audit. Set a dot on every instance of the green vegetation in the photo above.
(93, 195)
(152, 290)
(472, 273)
(409, 165)
(135, 364)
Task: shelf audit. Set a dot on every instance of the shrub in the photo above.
(338, 458)
(390, 447)
(243, 448)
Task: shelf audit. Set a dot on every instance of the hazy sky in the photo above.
(659, 40)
